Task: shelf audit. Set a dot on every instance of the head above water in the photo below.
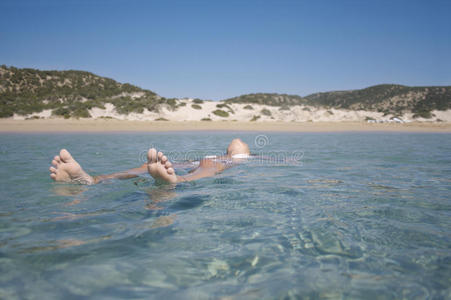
(237, 146)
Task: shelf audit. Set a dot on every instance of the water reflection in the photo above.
(160, 194)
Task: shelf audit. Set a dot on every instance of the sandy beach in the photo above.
(106, 125)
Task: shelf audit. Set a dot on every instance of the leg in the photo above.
(160, 168)
(131, 173)
(67, 169)
(207, 168)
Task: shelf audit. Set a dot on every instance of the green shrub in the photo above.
(221, 105)
(265, 112)
(198, 101)
(221, 113)
(62, 112)
(161, 119)
(423, 114)
(248, 107)
(255, 118)
(6, 112)
(267, 99)
(81, 113)
(205, 119)
(172, 103)
(33, 118)
(196, 106)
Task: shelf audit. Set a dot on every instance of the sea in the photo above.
(353, 215)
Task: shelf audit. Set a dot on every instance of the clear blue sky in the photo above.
(219, 49)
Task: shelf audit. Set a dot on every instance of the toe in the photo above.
(53, 176)
(160, 155)
(57, 159)
(164, 159)
(152, 155)
(168, 164)
(54, 162)
(52, 169)
(65, 155)
(170, 171)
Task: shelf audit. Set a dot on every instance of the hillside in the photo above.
(79, 94)
(387, 98)
(69, 93)
(268, 99)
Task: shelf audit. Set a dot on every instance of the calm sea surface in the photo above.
(325, 215)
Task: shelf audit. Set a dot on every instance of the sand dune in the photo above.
(191, 111)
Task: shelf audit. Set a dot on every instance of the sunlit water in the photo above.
(336, 215)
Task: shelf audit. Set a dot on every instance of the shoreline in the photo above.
(92, 125)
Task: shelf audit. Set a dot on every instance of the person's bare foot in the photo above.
(159, 167)
(66, 169)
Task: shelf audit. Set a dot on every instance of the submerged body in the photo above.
(66, 169)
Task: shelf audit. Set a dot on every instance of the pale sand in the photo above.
(101, 125)
(238, 112)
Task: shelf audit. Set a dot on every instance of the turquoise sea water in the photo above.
(329, 215)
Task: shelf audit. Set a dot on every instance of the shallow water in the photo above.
(329, 215)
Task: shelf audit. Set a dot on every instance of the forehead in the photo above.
(235, 143)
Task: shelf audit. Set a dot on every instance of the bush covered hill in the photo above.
(69, 93)
(73, 93)
(387, 98)
(268, 99)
